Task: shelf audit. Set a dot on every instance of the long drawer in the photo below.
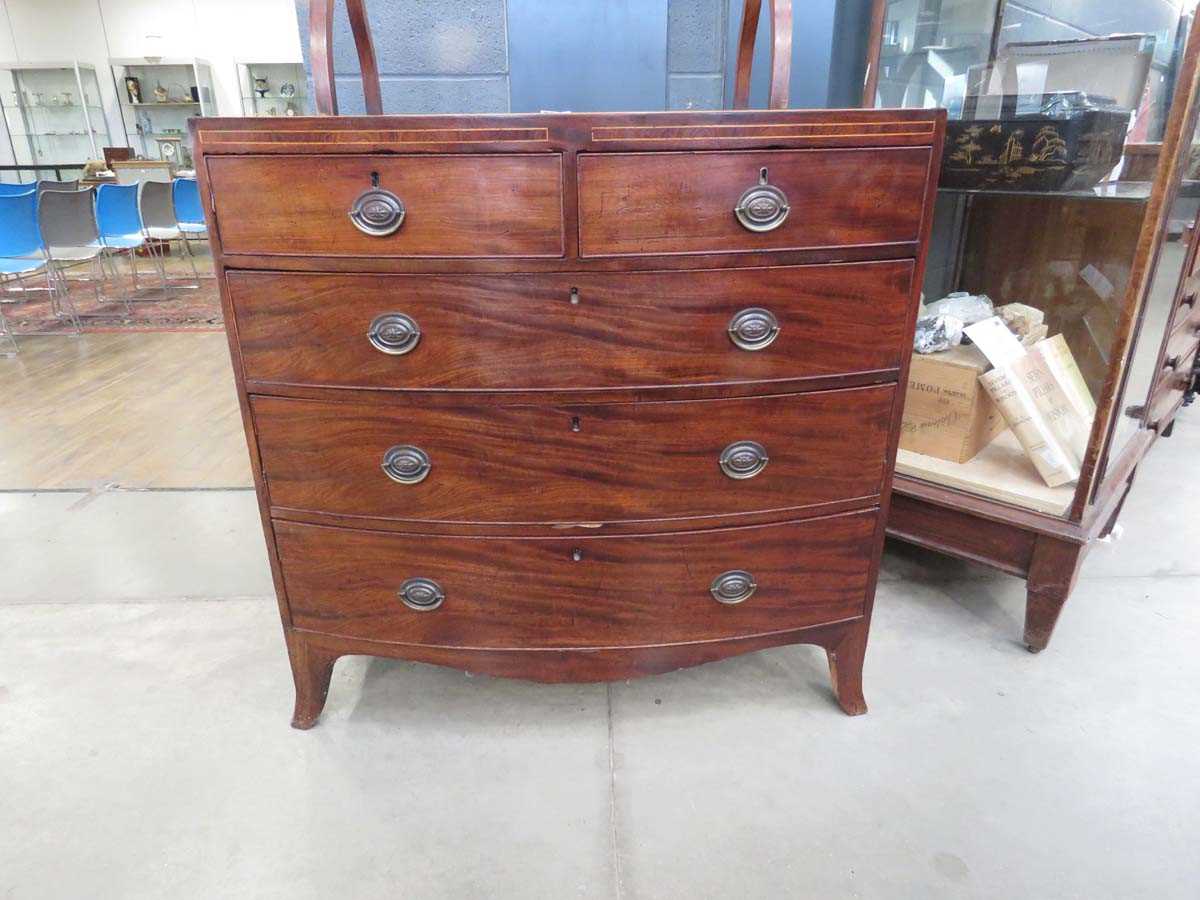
(608, 462)
(669, 203)
(576, 592)
(578, 331)
(455, 205)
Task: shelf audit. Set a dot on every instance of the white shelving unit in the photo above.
(157, 98)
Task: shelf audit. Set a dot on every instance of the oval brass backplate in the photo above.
(421, 594)
(377, 212)
(733, 587)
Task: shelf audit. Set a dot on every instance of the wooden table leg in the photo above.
(1052, 576)
(312, 668)
(846, 654)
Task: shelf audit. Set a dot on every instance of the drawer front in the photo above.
(489, 332)
(454, 205)
(665, 203)
(612, 462)
(1174, 379)
(575, 592)
(1187, 315)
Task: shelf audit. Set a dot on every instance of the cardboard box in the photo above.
(947, 412)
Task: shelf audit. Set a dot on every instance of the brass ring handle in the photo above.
(406, 464)
(753, 329)
(743, 459)
(733, 587)
(421, 594)
(394, 333)
(762, 207)
(377, 212)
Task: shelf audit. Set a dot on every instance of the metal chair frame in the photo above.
(67, 220)
(157, 207)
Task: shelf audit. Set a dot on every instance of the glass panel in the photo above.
(1160, 315)
(1039, 211)
(928, 49)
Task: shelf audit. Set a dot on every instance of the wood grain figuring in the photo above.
(532, 593)
(666, 203)
(522, 463)
(497, 332)
(574, 407)
(456, 205)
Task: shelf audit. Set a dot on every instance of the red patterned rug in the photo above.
(181, 307)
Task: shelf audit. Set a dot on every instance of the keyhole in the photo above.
(576, 554)
(375, 179)
(762, 175)
(575, 426)
(574, 296)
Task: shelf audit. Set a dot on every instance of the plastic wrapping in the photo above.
(937, 333)
(967, 308)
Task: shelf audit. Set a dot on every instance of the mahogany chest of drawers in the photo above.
(571, 397)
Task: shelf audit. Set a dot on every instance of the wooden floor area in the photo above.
(134, 409)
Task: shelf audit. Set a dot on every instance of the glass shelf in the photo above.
(1137, 191)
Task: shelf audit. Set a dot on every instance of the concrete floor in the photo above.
(145, 750)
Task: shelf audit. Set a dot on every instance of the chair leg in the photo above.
(7, 334)
(159, 253)
(110, 276)
(187, 249)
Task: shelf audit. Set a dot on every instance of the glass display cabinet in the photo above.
(272, 89)
(1066, 208)
(52, 112)
(157, 97)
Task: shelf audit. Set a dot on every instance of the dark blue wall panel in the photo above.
(587, 55)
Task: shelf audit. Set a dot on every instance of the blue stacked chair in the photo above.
(119, 221)
(188, 211)
(23, 254)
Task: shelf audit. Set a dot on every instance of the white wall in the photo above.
(93, 31)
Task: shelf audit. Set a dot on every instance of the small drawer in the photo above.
(567, 332)
(1173, 379)
(1179, 354)
(1186, 316)
(639, 590)
(510, 462)
(668, 203)
(485, 205)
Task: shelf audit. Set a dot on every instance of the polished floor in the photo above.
(145, 750)
(121, 410)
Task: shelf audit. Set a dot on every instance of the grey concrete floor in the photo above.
(145, 748)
